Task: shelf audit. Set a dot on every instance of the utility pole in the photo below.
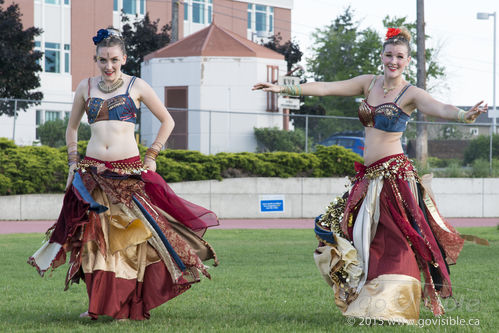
(175, 5)
(422, 130)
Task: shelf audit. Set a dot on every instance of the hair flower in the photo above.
(392, 32)
(101, 34)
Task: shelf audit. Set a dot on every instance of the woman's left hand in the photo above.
(475, 111)
(150, 164)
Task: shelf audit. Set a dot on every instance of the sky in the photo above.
(465, 43)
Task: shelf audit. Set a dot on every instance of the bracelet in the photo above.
(71, 144)
(292, 90)
(461, 117)
(73, 157)
(157, 144)
(151, 153)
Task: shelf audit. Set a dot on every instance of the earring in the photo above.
(381, 68)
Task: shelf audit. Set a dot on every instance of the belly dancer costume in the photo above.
(134, 242)
(376, 240)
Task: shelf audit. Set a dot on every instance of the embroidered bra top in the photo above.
(119, 107)
(388, 117)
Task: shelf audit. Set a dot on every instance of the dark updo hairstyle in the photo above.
(108, 38)
(398, 36)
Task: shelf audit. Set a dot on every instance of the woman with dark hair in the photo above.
(132, 240)
(377, 240)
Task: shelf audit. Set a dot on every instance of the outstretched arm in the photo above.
(352, 87)
(154, 104)
(428, 105)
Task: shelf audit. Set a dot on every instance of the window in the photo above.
(210, 15)
(250, 11)
(202, 11)
(66, 2)
(271, 19)
(39, 120)
(142, 7)
(115, 5)
(52, 58)
(66, 58)
(52, 115)
(260, 18)
(129, 7)
(52, 2)
(474, 131)
(198, 11)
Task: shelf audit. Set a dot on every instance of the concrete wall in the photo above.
(304, 197)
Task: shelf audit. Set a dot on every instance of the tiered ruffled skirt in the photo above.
(378, 239)
(134, 242)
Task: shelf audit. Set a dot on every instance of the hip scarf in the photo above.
(134, 242)
(377, 239)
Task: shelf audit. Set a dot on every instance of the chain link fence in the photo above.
(214, 131)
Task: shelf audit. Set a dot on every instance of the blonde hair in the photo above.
(402, 38)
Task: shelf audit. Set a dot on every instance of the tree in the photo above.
(290, 49)
(141, 38)
(343, 50)
(18, 61)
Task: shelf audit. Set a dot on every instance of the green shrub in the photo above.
(44, 169)
(32, 170)
(481, 168)
(274, 139)
(480, 148)
(435, 162)
(336, 161)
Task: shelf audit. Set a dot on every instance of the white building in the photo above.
(205, 81)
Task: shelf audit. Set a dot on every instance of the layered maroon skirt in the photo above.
(134, 242)
(377, 241)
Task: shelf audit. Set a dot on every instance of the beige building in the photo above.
(68, 27)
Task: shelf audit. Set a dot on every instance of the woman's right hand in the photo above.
(266, 86)
(71, 175)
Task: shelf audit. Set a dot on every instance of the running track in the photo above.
(13, 227)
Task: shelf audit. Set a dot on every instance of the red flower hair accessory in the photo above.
(392, 32)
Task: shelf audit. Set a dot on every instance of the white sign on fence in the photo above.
(288, 80)
(288, 103)
(493, 113)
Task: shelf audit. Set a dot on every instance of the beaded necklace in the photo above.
(108, 89)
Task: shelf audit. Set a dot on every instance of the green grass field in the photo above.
(266, 282)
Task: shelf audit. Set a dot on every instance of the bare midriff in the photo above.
(112, 140)
(379, 144)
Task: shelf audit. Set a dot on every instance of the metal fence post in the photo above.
(15, 118)
(209, 132)
(490, 148)
(306, 133)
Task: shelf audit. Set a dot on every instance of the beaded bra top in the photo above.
(119, 107)
(388, 117)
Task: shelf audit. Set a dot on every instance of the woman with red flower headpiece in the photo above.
(377, 240)
(132, 240)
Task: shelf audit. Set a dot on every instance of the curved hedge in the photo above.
(43, 169)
